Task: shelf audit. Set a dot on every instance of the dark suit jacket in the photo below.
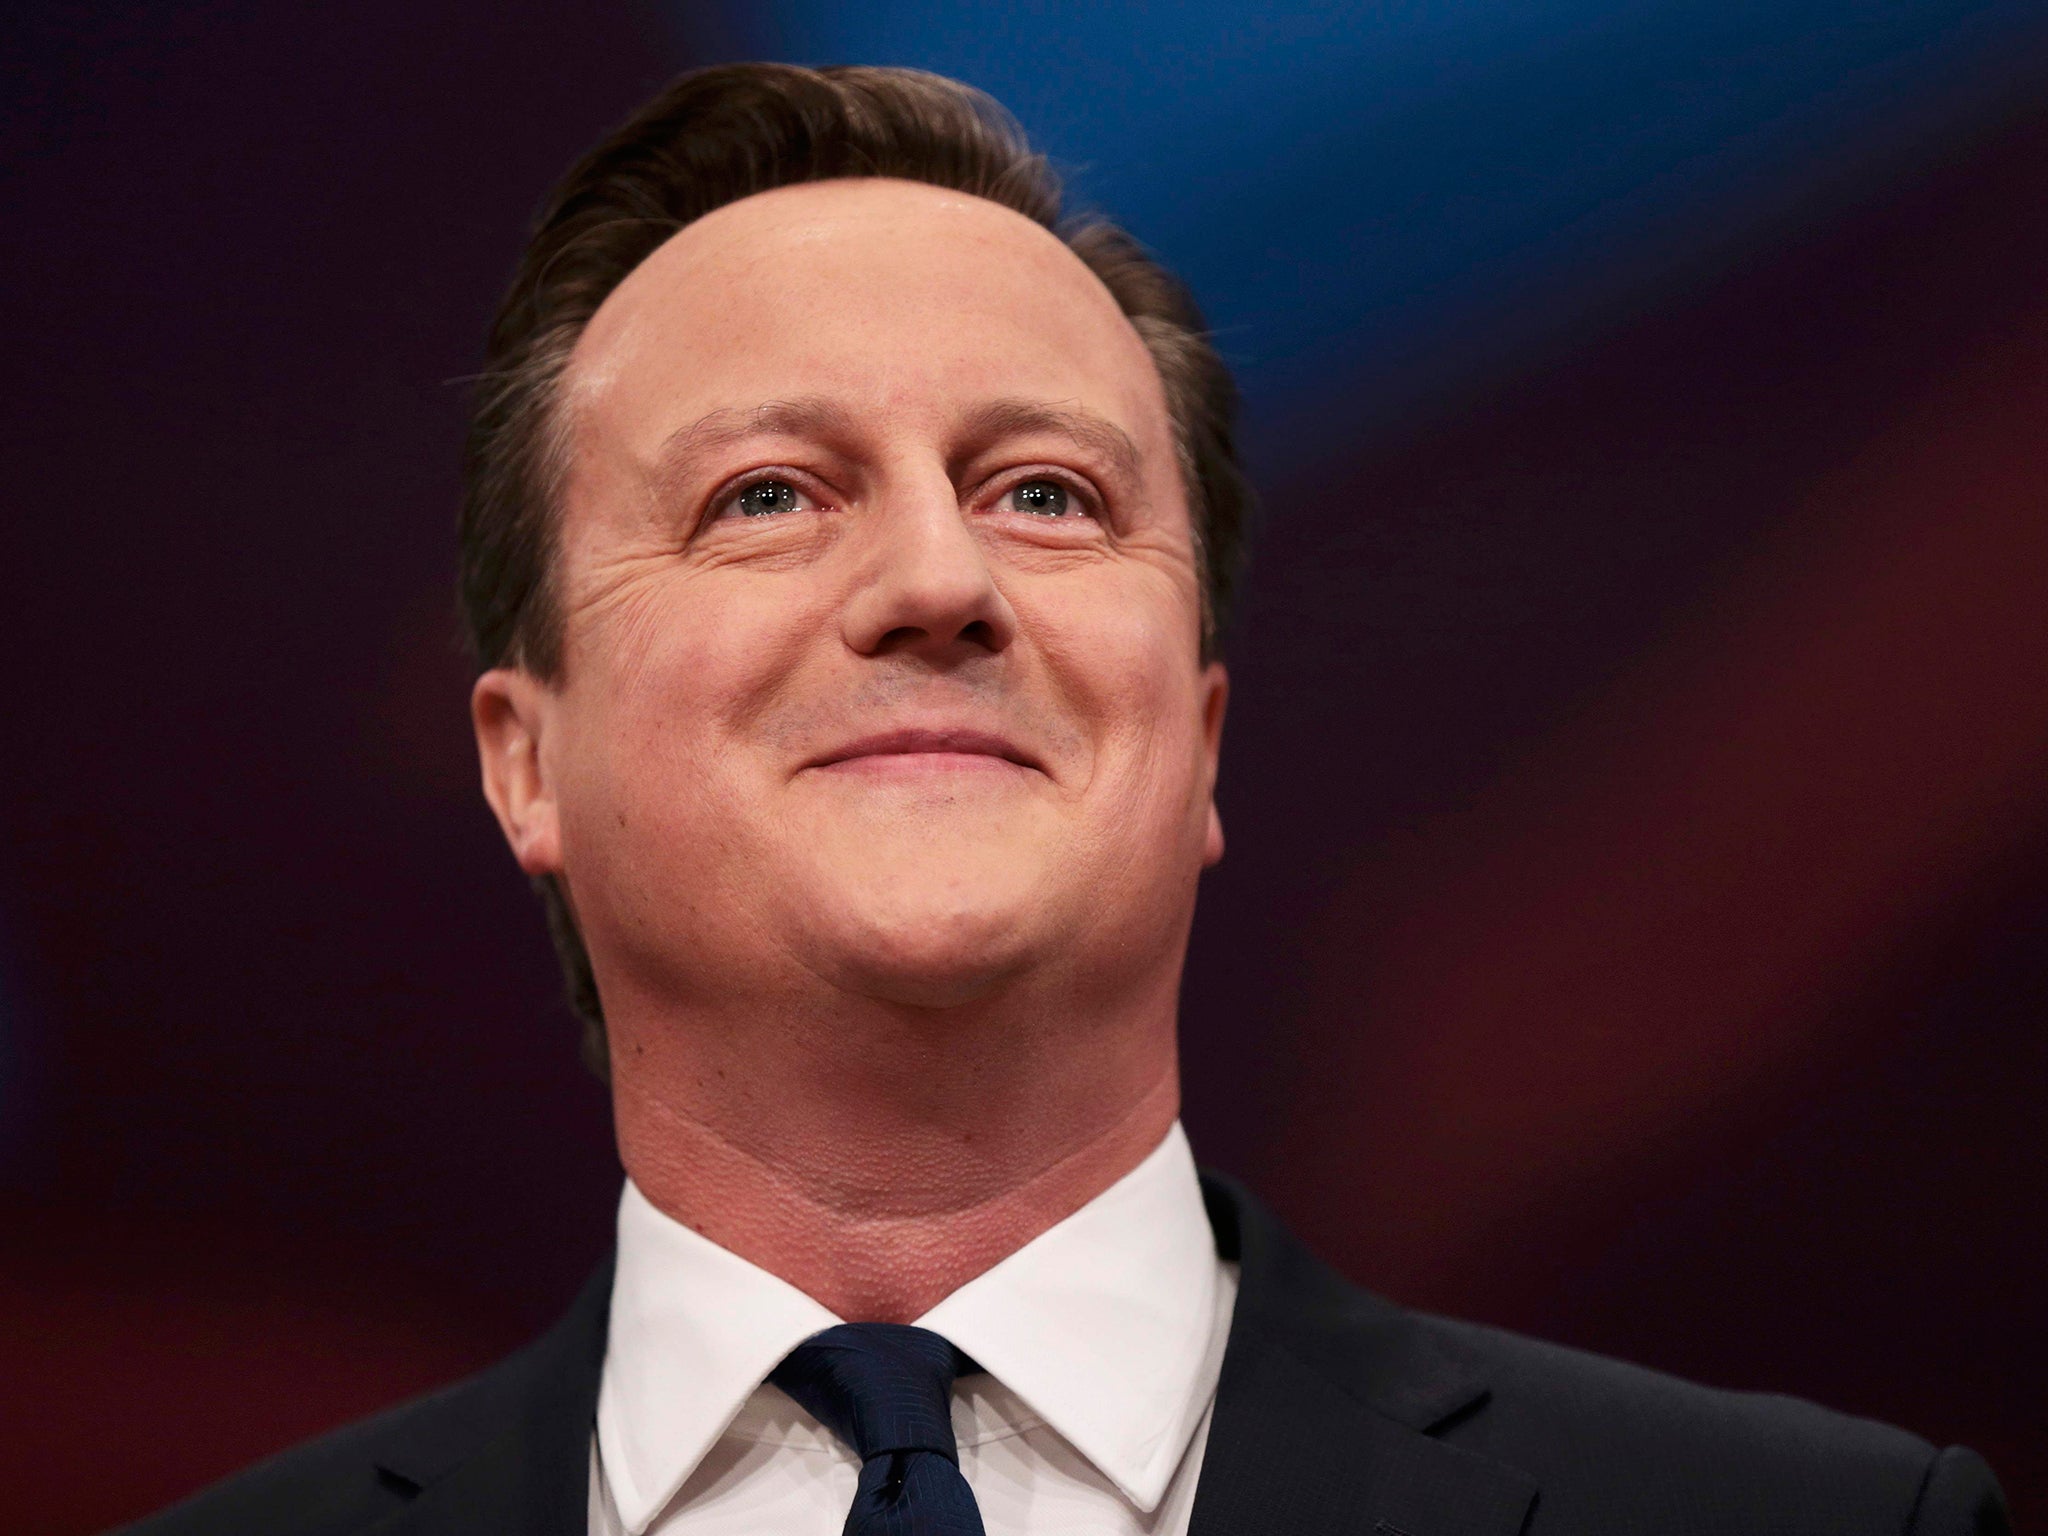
(1337, 1414)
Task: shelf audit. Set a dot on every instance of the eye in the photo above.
(1040, 498)
(765, 498)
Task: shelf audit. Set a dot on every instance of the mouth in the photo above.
(927, 750)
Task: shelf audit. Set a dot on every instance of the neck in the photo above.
(878, 1157)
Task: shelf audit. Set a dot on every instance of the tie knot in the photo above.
(880, 1387)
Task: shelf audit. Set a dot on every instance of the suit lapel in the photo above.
(509, 1454)
(1328, 1405)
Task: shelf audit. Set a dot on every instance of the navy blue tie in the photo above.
(886, 1390)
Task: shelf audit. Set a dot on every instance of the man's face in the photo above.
(881, 617)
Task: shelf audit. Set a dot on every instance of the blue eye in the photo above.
(1041, 498)
(766, 497)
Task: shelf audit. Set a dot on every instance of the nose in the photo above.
(925, 587)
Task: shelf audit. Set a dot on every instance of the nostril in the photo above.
(975, 635)
(899, 637)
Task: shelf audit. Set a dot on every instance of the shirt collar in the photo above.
(1110, 1325)
(694, 1329)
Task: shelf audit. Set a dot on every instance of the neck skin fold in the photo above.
(878, 1156)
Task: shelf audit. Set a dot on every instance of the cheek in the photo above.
(1127, 664)
(669, 682)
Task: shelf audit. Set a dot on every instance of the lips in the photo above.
(924, 741)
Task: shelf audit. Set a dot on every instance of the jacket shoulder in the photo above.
(528, 1414)
(1606, 1438)
(342, 1481)
(1600, 1445)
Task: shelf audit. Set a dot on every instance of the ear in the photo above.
(509, 709)
(1215, 686)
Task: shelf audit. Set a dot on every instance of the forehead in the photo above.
(896, 298)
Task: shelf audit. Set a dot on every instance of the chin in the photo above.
(926, 948)
(925, 985)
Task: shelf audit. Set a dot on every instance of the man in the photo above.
(846, 549)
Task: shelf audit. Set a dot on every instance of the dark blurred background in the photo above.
(1635, 929)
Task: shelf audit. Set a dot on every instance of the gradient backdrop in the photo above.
(1635, 928)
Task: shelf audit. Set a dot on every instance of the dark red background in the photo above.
(1635, 929)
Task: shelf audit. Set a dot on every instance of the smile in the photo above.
(928, 751)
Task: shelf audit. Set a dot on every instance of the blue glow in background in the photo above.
(1373, 201)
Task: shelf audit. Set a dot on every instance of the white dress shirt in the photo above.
(1101, 1339)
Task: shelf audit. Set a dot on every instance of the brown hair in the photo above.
(713, 137)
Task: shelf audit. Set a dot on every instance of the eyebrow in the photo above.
(818, 417)
(812, 416)
(1088, 431)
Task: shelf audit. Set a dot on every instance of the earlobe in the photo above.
(508, 709)
(1212, 840)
